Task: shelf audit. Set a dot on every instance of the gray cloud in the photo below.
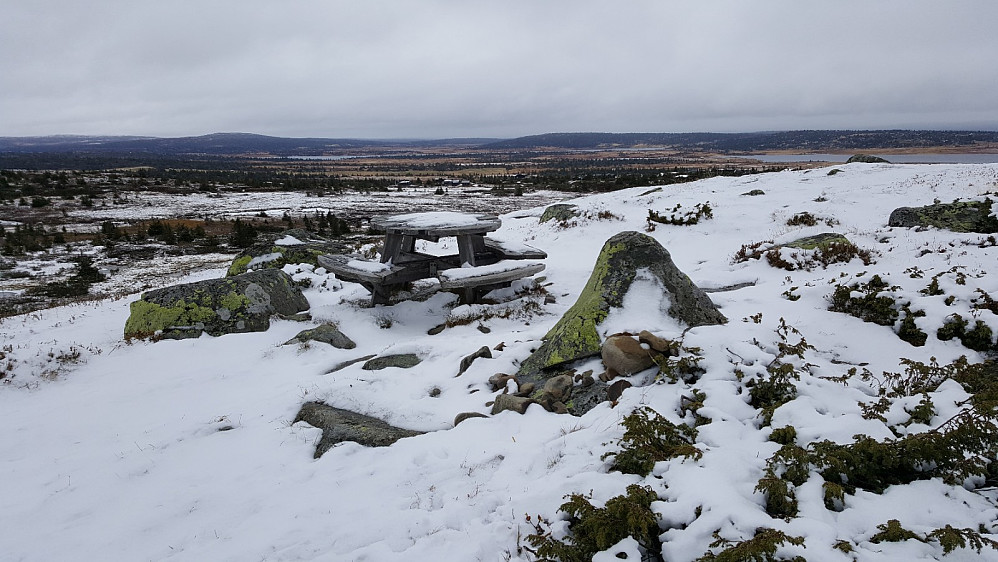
(435, 68)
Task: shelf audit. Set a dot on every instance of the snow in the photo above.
(288, 241)
(185, 450)
(437, 219)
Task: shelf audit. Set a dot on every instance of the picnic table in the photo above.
(480, 265)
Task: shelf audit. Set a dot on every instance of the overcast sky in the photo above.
(469, 68)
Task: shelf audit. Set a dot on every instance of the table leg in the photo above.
(468, 245)
(393, 245)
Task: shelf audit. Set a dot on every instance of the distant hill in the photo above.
(234, 144)
(213, 144)
(749, 142)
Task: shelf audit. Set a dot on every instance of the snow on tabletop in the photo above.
(153, 458)
(369, 266)
(439, 219)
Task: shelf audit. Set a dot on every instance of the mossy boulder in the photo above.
(818, 241)
(560, 212)
(340, 425)
(243, 303)
(866, 158)
(274, 251)
(959, 216)
(576, 335)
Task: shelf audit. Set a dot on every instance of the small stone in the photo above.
(483, 352)
(501, 346)
(588, 381)
(617, 389)
(526, 389)
(434, 392)
(660, 345)
(436, 329)
(560, 387)
(484, 329)
(608, 375)
(498, 381)
(467, 415)
(516, 404)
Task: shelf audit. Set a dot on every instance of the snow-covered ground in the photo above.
(185, 450)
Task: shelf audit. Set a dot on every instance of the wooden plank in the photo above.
(509, 251)
(502, 272)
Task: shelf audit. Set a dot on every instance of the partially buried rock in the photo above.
(575, 336)
(324, 333)
(516, 404)
(243, 303)
(401, 361)
(274, 251)
(340, 425)
(483, 352)
(466, 416)
(560, 212)
(959, 216)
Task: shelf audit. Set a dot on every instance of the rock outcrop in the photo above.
(340, 425)
(575, 336)
(243, 303)
(560, 212)
(274, 251)
(959, 216)
(324, 333)
(866, 158)
(400, 361)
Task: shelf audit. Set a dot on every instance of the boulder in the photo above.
(866, 158)
(575, 336)
(400, 361)
(324, 333)
(560, 212)
(243, 303)
(340, 425)
(274, 251)
(959, 216)
(625, 355)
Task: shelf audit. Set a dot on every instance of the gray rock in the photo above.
(401, 361)
(324, 333)
(575, 337)
(959, 216)
(498, 381)
(345, 364)
(266, 254)
(483, 352)
(817, 241)
(516, 404)
(243, 303)
(625, 355)
(559, 388)
(867, 158)
(467, 415)
(340, 425)
(587, 397)
(560, 212)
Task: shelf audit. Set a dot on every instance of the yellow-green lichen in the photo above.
(239, 265)
(235, 301)
(147, 318)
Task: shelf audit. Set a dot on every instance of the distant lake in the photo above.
(955, 158)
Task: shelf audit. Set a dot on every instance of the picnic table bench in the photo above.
(481, 264)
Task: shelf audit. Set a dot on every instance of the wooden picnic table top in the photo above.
(441, 223)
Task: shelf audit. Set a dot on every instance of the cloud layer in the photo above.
(445, 68)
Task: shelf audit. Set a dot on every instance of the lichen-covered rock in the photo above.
(575, 336)
(817, 241)
(340, 425)
(324, 333)
(559, 212)
(243, 303)
(866, 158)
(274, 251)
(959, 216)
(400, 361)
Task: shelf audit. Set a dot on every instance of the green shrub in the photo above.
(870, 306)
(649, 438)
(760, 548)
(687, 218)
(596, 529)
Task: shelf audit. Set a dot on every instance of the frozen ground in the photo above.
(184, 450)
